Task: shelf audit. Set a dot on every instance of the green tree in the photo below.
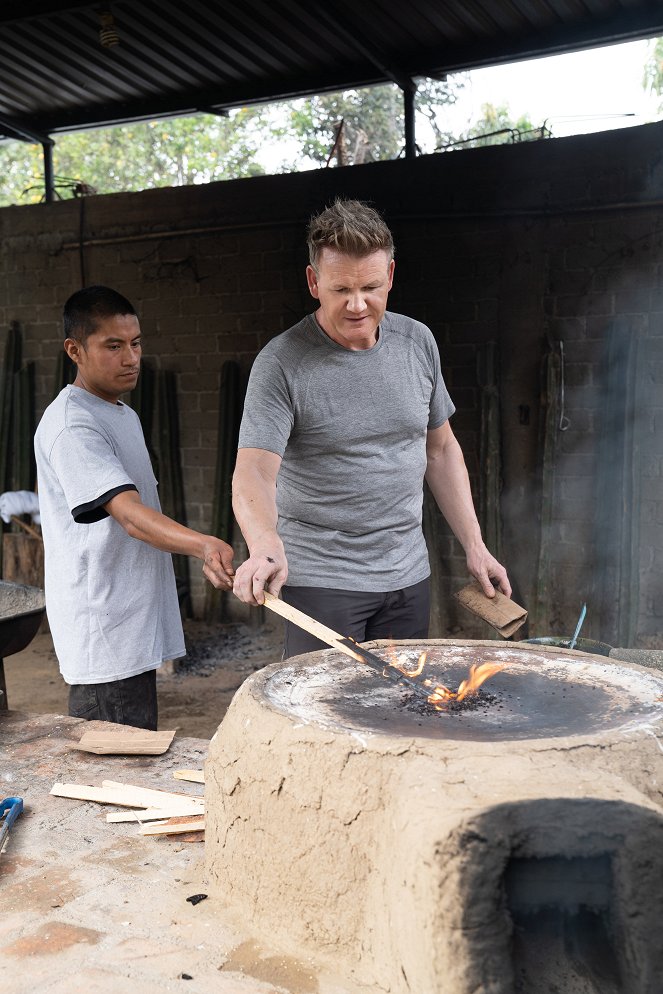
(365, 125)
(187, 150)
(167, 152)
(653, 75)
(495, 127)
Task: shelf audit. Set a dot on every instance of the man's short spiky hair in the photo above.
(86, 308)
(349, 226)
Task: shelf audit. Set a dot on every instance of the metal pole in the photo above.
(408, 107)
(49, 188)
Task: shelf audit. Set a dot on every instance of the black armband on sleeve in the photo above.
(94, 510)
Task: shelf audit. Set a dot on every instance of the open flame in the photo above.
(441, 695)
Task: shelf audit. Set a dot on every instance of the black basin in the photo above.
(21, 611)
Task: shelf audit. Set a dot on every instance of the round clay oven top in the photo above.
(537, 695)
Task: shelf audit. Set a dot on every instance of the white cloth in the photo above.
(17, 502)
(111, 600)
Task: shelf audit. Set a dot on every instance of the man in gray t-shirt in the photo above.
(110, 588)
(346, 414)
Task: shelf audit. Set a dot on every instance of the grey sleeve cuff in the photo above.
(87, 514)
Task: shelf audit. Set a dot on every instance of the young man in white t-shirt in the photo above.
(111, 598)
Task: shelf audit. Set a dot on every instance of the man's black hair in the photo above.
(87, 307)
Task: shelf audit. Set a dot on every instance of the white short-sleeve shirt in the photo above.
(111, 600)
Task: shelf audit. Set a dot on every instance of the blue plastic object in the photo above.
(10, 809)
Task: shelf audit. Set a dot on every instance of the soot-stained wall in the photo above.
(505, 253)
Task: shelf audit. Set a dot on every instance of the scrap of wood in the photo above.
(123, 795)
(126, 742)
(193, 776)
(102, 795)
(174, 826)
(503, 614)
(154, 814)
(151, 796)
(28, 528)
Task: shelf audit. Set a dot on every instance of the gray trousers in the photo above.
(398, 614)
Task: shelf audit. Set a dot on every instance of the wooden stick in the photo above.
(156, 814)
(152, 796)
(123, 795)
(174, 827)
(310, 625)
(102, 795)
(193, 776)
(28, 528)
(344, 644)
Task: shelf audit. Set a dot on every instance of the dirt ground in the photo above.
(193, 698)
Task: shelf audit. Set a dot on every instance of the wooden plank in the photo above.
(344, 644)
(23, 559)
(122, 795)
(174, 826)
(101, 795)
(155, 814)
(129, 742)
(193, 776)
(309, 624)
(152, 796)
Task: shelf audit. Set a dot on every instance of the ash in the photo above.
(233, 646)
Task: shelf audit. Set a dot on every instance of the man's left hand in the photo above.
(486, 569)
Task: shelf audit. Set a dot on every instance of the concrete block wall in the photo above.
(505, 245)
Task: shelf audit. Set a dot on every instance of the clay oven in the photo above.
(512, 843)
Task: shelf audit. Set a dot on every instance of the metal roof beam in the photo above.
(23, 132)
(633, 25)
(353, 37)
(373, 63)
(209, 100)
(31, 9)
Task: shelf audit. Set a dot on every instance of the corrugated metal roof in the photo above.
(175, 57)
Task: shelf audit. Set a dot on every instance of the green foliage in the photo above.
(495, 127)
(187, 150)
(653, 74)
(174, 152)
(373, 121)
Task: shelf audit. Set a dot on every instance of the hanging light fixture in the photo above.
(108, 36)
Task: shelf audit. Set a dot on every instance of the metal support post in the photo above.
(49, 187)
(408, 106)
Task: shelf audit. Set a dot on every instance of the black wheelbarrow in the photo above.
(21, 612)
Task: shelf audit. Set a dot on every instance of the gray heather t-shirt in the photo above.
(111, 600)
(351, 428)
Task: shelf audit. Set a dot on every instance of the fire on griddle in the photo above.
(441, 698)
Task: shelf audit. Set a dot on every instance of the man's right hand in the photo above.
(265, 569)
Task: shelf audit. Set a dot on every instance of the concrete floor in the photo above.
(89, 907)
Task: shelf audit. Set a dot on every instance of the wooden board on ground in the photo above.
(124, 795)
(175, 826)
(152, 795)
(126, 742)
(157, 814)
(193, 776)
